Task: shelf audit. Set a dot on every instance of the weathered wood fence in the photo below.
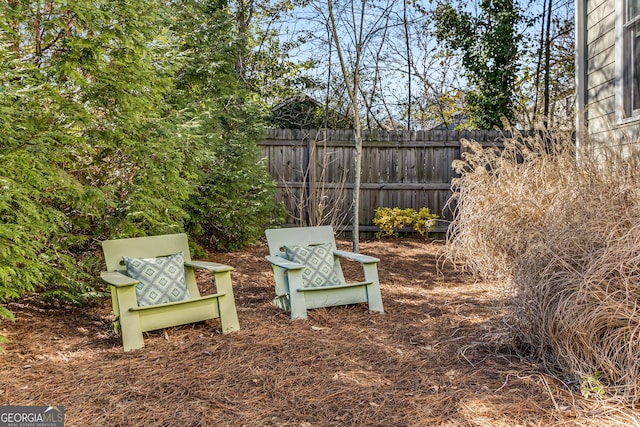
(314, 172)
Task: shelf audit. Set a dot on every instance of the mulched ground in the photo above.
(439, 356)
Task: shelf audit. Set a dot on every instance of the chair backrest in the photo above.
(149, 247)
(302, 236)
(143, 247)
(277, 238)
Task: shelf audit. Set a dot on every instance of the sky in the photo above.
(385, 67)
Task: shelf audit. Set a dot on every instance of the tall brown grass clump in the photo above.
(564, 228)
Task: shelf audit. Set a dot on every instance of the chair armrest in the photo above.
(210, 266)
(117, 279)
(284, 263)
(365, 259)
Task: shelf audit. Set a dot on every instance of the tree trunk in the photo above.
(355, 233)
(408, 47)
(547, 62)
(352, 84)
(541, 49)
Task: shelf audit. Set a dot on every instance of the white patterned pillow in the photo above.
(161, 279)
(319, 264)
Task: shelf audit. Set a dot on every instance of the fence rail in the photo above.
(314, 171)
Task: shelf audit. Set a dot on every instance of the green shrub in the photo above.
(390, 220)
(234, 202)
(233, 199)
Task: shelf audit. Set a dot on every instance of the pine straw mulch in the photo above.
(438, 356)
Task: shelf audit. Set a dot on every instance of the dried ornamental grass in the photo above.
(566, 234)
(501, 199)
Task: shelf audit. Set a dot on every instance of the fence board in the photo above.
(314, 171)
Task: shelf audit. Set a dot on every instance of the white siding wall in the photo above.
(599, 77)
(600, 69)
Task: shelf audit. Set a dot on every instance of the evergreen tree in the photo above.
(34, 237)
(234, 197)
(489, 47)
(115, 123)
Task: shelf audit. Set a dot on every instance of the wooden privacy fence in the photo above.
(314, 172)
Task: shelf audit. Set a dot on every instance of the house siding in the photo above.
(596, 78)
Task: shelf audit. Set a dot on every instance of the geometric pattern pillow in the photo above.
(319, 264)
(161, 279)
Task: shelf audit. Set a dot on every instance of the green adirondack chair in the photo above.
(307, 271)
(153, 286)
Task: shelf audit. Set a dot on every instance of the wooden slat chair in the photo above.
(307, 272)
(128, 301)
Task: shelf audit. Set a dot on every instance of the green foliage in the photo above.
(233, 198)
(3, 340)
(390, 220)
(234, 201)
(267, 66)
(268, 69)
(119, 119)
(489, 47)
(36, 140)
(590, 385)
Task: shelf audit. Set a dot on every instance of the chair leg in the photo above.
(226, 304)
(297, 299)
(132, 338)
(130, 329)
(374, 295)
